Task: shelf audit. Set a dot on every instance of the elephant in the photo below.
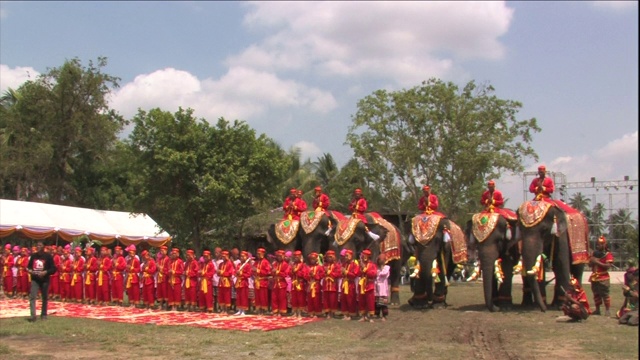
(428, 233)
(352, 234)
(559, 234)
(284, 235)
(317, 231)
(492, 237)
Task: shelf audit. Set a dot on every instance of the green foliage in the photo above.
(440, 135)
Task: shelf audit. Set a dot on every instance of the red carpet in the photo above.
(17, 308)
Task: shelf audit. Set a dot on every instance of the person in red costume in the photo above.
(22, 285)
(176, 270)
(601, 261)
(428, 203)
(66, 269)
(76, 279)
(348, 296)
(225, 271)
(332, 274)
(102, 277)
(493, 201)
(358, 205)
(243, 274)
(205, 299)
(262, 271)
(542, 186)
(162, 286)
(576, 305)
(299, 273)
(314, 278)
(133, 277)
(280, 271)
(192, 270)
(293, 206)
(149, 269)
(54, 280)
(92, 265)
(117, 278)
(7, 273)
(321, 201)
(369, 274)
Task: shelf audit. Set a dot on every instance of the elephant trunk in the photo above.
(488, 281)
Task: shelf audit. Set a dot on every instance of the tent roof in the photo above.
(75, 221)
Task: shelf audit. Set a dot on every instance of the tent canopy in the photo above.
(40, 221)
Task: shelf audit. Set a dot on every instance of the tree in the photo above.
(623, 234)
(436, 134)
(198, 180)
(596, 220)
(55, 131)
(580, 202)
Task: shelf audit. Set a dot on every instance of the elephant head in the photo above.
(316, 234)
(288, 242)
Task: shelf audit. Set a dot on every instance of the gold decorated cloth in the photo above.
(309, 220)
(286, 230)
(458, 244)
(483, 224)
(345, 230)
(391, 245)
(532, 212)
(424, 227)
(578, 232)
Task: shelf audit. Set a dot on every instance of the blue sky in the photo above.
(295, 70)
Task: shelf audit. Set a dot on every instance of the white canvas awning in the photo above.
(40, 221)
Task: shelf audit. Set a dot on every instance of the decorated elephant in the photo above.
(317, 230)
(561, 235)
(380, 237)
(492, 238)
(284, 235)
(439, 244)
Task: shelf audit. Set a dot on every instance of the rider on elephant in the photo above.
(428, 203)
(543, 187)
(321, 201)
(293, 206)
(358, 205)
(493, 201)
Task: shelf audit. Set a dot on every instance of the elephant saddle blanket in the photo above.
(345, 229)
(286, 230)
(424, 227)
(483, 224)
(391, 245)
(578, 232)
(532, 212)
(309, 220)
(458, 244)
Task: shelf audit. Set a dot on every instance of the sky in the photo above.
(296, 70)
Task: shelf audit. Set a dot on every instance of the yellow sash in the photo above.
(314, 287)
(204, 287)
(88, 280)
(74, 278)
(129, 276)
(187, 284)
(100, 278)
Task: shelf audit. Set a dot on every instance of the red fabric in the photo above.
(358, 206)
(90, 278)
(299, 272)
(542, 189)
(117, 279)
(581, 297)
(281, 270)
(54, 279)
(263, 271)
(191, 282)
(102, 280)
(77, 279)
(65, 279)
(367, 289)
(601, 273)
(293, 207)
(225, 271)
(428, 202)
(7, 281)
(333, 272)
(314, 296)
(162, 279)
(175, 282)
(348, 295)
(321, 202)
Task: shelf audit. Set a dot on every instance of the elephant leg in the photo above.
(537, 292)
(505, 301)
(561, 269)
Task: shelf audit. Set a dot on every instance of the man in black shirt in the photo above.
(40, 267)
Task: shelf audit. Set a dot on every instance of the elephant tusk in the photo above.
(536, 268)
(435, 271)
(518, 268)
(498, 270)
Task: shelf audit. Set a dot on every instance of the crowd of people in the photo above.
(233, 282)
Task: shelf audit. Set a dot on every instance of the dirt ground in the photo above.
(463, 330)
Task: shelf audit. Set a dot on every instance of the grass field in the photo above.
(464, 330)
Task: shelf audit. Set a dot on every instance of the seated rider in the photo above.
(493, 201)
(321, 201)
(302, 205)
(428, 203)
(542, 186)
(358, 205)
(293, 206)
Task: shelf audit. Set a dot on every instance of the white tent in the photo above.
(40, 221)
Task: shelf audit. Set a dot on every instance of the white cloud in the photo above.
(241, 93)
(3, 13)
(615, 5)
(394, 40)
(308, 150)
(13, 78)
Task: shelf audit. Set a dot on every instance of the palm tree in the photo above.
(623, 234)
(580, 202)
(596, 220)
(325, 169)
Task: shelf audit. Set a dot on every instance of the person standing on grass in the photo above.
(91, 266)
(102, 278)
(77, 279)
(7, 276)
(40, 268)
(117, 279)
(367, 287)
(261, 271)
(601, 261)
(382, 288)
(66, 270)
(243, 274)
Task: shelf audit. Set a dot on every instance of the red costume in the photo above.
(225, 271)
(66, 269)
(367, 286)
(321, 201)
(243, 274)
(314, 277)
(102, 279)
(23, 283)
(54, 280)
(577, 294)
(77, 279)
(299, 274)
(600, 261)
(7, 280)
(281, 270)
(543, 187)
(333, 272)
(428, 203)
(133, 279)
(176, 269)
(493, 201)
(348, 296)
(205, 299)
(358, 206)
(192, 270)
(117, 278)
(293, 206)
(261, 283)
(162, 287)
(90, 276)
(148, 282)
